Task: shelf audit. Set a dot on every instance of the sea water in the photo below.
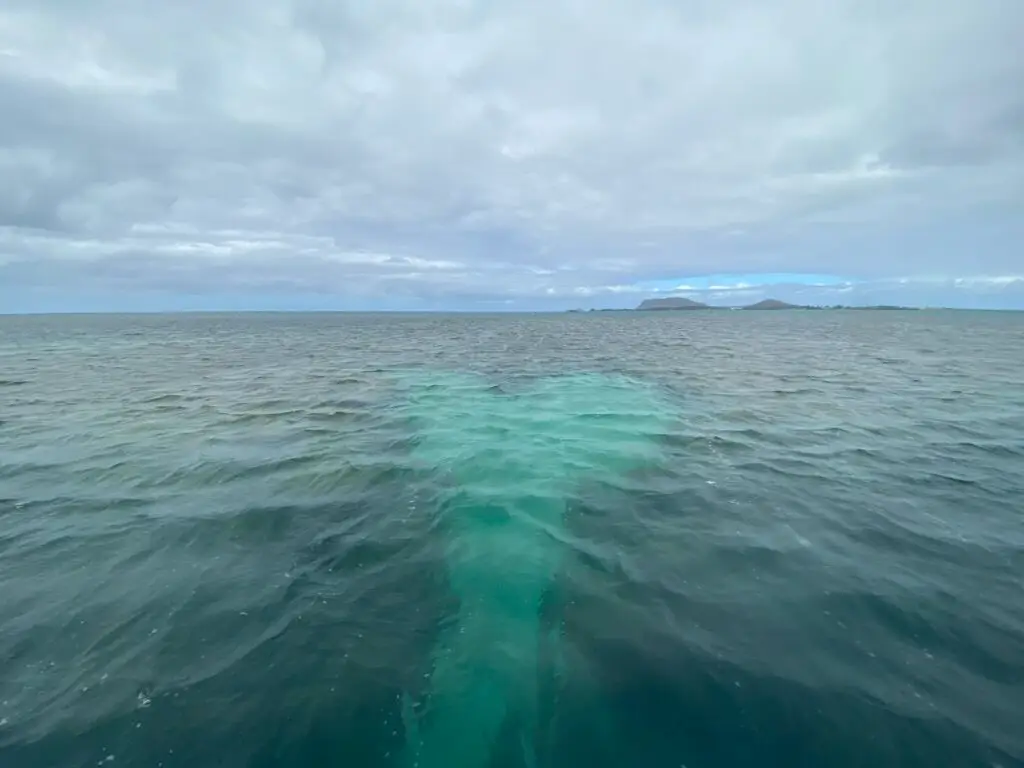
(608, 539)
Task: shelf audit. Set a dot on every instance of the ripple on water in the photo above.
(222, 542)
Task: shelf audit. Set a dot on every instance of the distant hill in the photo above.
(671, 302)
(678, 302)
(883, 307)
(773, 304)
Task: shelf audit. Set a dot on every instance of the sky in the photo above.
(509, 154)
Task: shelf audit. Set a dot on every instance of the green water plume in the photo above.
(510, 461)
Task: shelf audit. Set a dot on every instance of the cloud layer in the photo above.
(459, 154)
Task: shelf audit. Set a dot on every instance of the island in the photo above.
(774, 304)
(675, 303)
(672, 303)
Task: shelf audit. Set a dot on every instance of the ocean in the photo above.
(689, 539)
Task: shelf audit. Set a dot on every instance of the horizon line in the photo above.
(569, 311)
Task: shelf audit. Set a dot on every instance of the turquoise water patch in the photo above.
(510, 462)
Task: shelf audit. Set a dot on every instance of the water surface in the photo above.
(737, 539)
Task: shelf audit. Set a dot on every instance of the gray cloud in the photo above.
(524, 151)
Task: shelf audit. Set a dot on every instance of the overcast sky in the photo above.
(509, 154)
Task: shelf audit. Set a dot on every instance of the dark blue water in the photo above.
(625, 539)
